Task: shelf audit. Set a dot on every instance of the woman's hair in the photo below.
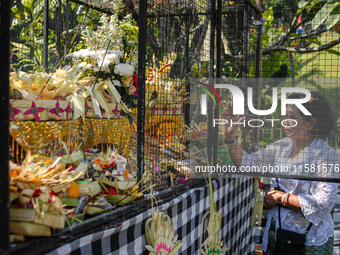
(320, 109)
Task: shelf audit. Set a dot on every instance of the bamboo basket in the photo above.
(40, 110)
(115, 111)
(165, 108)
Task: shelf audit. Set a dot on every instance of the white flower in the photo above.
(104, 64)
(80, 66)
(125, 70)
(96, 57)
(116, 83)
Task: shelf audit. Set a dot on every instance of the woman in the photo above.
(303, 153)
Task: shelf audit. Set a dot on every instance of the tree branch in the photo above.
(285, 36)
(92, 7)
(190, 32)
(302, 50)
(314, 33)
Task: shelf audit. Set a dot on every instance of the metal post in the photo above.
(4, 122)
(45, 45)
(187, 32)
(245, 43)
(245, 62)
(258, 75)
(211, 76)
(258, 65)
(218, 75)
(257, 51)
(141, 87)
(186, 105)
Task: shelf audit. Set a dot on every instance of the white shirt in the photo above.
(316, 198)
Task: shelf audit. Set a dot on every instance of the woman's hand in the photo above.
(272, 198)
(228, 129)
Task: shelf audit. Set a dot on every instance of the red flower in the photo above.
(261, 185)
(37, 193)
(135, 80)
(112, 190)
(52, 198)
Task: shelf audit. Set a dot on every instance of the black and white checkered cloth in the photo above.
(233, 197)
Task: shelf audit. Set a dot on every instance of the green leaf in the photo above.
(335, 52)
(332, 20)
(305, 5)
(322, 15)
(80, 18)
(302, 4)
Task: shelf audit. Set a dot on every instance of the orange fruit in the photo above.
(59, 97)
(48, 162)
(73, 191)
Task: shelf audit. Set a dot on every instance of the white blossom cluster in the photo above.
(87, 59)
(125, 70)
(108, 32)
(104, 50)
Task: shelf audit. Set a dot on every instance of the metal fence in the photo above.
(308, 53)
(186, 40)
(178, 40)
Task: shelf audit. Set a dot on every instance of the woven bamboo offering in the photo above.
(40, 110)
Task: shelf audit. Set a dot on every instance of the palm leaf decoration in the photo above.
(212, 244)
(259, 200)
(159, 233)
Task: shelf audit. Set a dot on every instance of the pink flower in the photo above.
(261, 185)
(13, 111)
(68, 110)
(181, 180)
(164, 109)
(102, 110)
(116, 111)
(87, 108)
(35, 111)
(156, 169)
(56, 110)
(153, 109)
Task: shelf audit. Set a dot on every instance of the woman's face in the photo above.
(296, 126)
